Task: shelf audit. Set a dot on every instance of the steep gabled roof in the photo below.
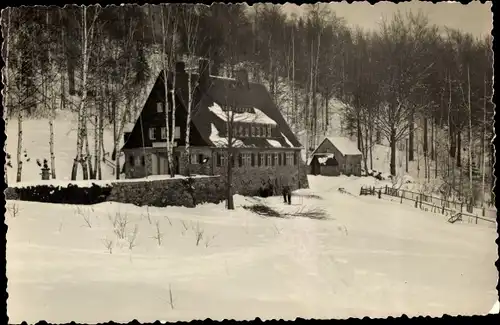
(346, 146)
(226, 92)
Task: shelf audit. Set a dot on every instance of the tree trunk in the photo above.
(82, 115)
(187, 157)
(459, 149)
(229, 189)
(6, 101)
(392, 142)
(425, 149)
(483, 147)
(19, 145)
(100, 144)
(470, 137)
(411, 134)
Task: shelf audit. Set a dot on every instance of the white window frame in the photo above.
(223, 159)
(262, 160)
(269, 130)
(159, 107)
(269, 159)
(247, 159)
(163, 133)
(152, 133)
(177, 133)
(276, 159)
(247, 130)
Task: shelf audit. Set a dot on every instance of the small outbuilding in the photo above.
(335, 156)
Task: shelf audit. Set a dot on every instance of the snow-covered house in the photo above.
(265, 147)
(336, 155)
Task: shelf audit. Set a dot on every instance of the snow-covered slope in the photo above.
(370, 257)
(36, 144)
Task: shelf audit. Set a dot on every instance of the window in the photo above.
(295, 158)
(240, 159)
(138, 160)
(269, 128)
(131, 160)
(152, 134)
(234, 130)
(262, 131)
(280, 160)
(285, 158)
(159, 107)
(253, 160)
(221, 159)
(289, 158)
(240, 130)
(247, 159)
(275, 159)
(257, 130)
(201, 158)
(253, 131)
(163, 132)
(247, 131)
(268, 159)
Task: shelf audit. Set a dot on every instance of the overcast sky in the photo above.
(475, 18)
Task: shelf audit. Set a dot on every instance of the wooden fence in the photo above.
(427, 202)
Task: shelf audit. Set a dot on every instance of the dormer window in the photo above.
(253, 131)
(257, 131)
(247, 131)
(241, 132)
(159, 107)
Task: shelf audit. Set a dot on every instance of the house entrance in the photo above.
(315, 166)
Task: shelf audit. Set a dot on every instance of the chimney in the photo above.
(180, 67)
(204, 72)
(242, 78)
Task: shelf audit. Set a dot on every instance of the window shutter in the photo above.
(253, 160)
(272, 159)
(240, 160)
(295, 158)
(219, 163)
(285, 159)
(279, 159)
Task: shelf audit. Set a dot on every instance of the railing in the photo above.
(423, 201)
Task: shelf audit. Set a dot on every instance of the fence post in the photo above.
(476, 219)
(416, 203)
(361, 191)
(461, 207)
(401, 199)
(385, 190)
(484, 212)
(380, 193)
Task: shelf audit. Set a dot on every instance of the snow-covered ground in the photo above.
(370, 257)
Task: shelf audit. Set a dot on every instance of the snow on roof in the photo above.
(222, 142)
(258, 117)
(274, 143)
(345, 145)
(287, 141)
